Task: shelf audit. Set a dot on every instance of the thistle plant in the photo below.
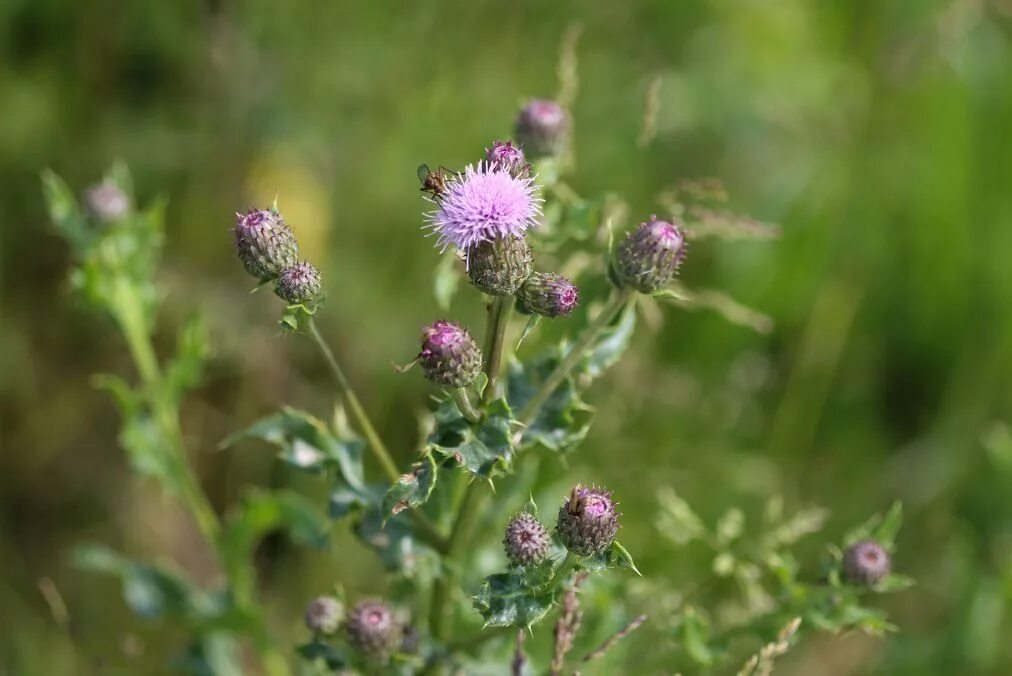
(476, 570)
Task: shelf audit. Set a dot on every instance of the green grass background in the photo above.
(878, 134)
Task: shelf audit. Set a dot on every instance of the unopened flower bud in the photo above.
(547, 294)
(449, 356)
(323, 615)
(299, 284)
(650, 255)
(587, 521)
(542, 128)
(508, 157)
(866, 563)
(107, 202)
(373, 630)
(500, 266)
(265, 244)
(526, 540)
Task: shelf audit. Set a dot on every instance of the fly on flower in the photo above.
(433, 180)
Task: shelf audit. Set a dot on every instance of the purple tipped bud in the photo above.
(449, 355)
(588, 521)
(509, 158)
(107, 202)
(265, 244)
(373, 630)
(650, 255)
(866, 563)
(542, 128)
(548, 295)
(299, 284)
(501, 265)
(324, 614)
(526, 540)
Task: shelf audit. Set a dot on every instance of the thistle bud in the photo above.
(373, 630)
(299, 284)
(508, 157)
(323, 615)
(548, 295)
(449, 355)
(265, 244)
(526, 540)
(107, 202)
(587, 521)
(866, 563)
(500, 266)
(650, 255)
(542, 128)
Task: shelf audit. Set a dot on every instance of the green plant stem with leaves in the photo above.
(466, 406)
(620, 298)
(427, 531)
(126, 307)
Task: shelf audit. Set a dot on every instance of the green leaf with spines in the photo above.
(615, 556)
(413, 489)
(564, 419)
(484, 449)
(517, 598)
(309, 444)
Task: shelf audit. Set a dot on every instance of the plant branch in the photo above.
(447, 582)
(379, 450)
(618, 301)
(499, 311)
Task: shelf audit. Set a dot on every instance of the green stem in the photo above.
(498, 317)
(365, 425)
(126, 308)
(424, 528)
(452, 563)
(618, 301)
(467, 409)
(563, 571)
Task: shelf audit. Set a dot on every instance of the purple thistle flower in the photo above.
(547, 295)
(587, 521)
(323, 614)
(449, 355)
(481, 204)
(526, 540)
(542, 127)
(107, 202)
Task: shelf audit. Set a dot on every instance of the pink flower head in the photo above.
(481, 204)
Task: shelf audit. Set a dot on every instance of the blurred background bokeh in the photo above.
(877, 134)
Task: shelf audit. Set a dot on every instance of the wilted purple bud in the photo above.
(323, 615)
(866, 563)
(373, 630)
(650, 255)
(526, 540)
(265, 244)
(299, 284)
(508, 157)
(542, 128)
(500, 266)
(547, 294)
(107, 202)
(587, 521)
(449, 355)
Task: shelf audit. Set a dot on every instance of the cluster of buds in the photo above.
(526, 540)
(650, 256)
(866, 563)
(449, 356)
(269, 251)
(588, 521)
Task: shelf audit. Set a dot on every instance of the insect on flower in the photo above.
(433, 180)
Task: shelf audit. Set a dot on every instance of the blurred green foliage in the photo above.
(877, 134)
